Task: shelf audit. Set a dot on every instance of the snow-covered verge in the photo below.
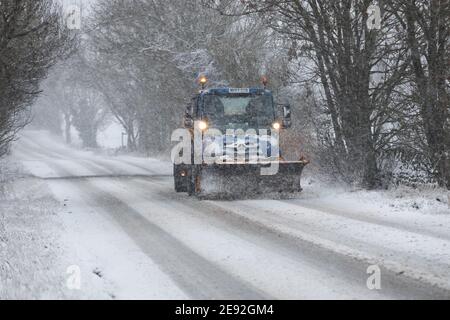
(422, 199)
(404, 230)
(29, 232)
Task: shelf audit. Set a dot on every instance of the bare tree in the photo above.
(52, 111)
(426, 28)
(88, 114)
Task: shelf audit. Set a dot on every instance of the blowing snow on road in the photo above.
(123, 233)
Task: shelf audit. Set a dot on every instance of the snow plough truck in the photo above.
(231, 145)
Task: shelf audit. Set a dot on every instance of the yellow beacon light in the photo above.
(203, 81)
(264, 81)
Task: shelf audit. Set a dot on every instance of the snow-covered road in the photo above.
(133, 237)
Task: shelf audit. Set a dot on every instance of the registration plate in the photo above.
(239, 90)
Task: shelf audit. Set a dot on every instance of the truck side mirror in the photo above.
(287, 116)
(188, 121)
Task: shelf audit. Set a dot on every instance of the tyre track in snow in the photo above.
(58, 164)
(350, 268)
(63, 157)
(195, 275)
(280, 273)
(368, 219)
(407, 263)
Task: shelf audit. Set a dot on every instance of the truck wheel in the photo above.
(179, 187)
(192, 185)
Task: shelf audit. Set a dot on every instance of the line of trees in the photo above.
(32, 39)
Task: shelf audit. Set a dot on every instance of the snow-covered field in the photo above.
(118, 221)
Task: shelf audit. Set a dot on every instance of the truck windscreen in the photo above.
(239, 111)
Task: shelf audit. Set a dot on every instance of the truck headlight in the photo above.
(202, 125)
(276, 125)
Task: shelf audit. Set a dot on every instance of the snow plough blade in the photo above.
(245, 180)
